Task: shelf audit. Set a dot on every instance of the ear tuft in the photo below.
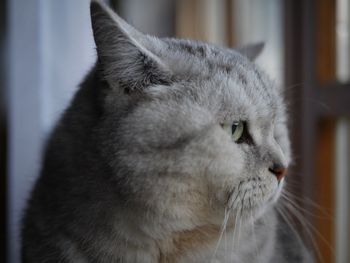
(123, 53)
(251, 51)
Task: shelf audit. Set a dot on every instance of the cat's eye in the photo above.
(236, 130)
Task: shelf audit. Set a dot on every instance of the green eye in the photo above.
(236, 129)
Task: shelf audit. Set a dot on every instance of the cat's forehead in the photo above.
(232, 99)
(222, 80)
(187, 57)
(223, 76)
(251, 100)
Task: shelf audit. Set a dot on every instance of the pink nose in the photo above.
(279, 171)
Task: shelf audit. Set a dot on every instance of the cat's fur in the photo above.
(139, 168)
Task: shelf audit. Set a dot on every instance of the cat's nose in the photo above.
(279, 171)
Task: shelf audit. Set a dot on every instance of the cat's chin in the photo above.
(250, 215)
(250, 202)
(262, 209)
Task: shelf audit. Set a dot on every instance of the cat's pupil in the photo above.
(234, 127)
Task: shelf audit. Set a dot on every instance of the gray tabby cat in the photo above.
(171, 151)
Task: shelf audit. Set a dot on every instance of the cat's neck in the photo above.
(205, 241)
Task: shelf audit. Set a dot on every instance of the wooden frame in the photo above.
(317, 101)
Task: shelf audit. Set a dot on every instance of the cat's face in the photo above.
(190, 129)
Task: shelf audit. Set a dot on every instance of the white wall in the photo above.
(50, 50)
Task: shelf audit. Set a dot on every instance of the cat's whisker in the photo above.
(233, 200)
(308, 232)
(235, 207)
(222, 231)
(225, 232)
(286, 196)
(308, 228)
(243, 201)
(241, 216)
(304, 221)
(300, 208)
(293, 86)
(239, 230)
(289, 222)
(253, 231)
(314, 205)
(235, 230)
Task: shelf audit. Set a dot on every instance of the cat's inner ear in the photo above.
(251, 51)
(124, 53)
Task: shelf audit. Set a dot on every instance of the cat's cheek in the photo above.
(225, 168)
(222, 157)
(223, 175)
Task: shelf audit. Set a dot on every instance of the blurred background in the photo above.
(46, 48)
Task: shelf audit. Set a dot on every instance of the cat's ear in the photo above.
(123, 52)
(251, 51)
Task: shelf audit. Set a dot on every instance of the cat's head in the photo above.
(189, 128)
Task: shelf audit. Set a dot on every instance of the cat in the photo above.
(171, 151)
